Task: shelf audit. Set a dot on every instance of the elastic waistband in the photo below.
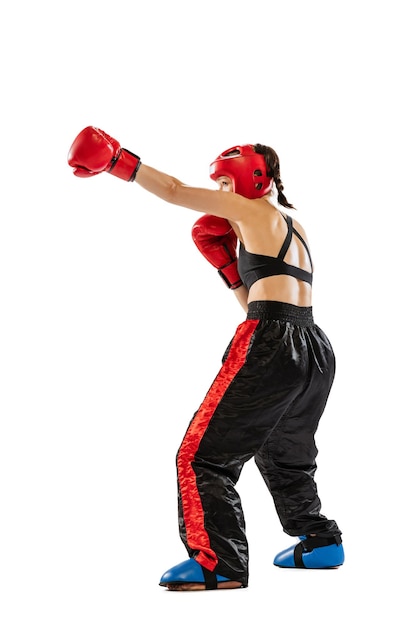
(272, 310)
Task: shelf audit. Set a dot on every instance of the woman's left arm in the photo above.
(215, 202)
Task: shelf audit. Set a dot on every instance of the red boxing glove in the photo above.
(93, 152)
(217, 241)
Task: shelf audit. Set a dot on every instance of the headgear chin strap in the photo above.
(247, 170)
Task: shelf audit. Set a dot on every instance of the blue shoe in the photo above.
(191, 572)
(312, 553)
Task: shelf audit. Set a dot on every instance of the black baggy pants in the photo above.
(265, 402)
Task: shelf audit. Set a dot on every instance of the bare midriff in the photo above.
(282, 289)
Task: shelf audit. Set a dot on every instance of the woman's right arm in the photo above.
(241, 294)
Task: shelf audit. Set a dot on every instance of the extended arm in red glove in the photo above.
(93, 151)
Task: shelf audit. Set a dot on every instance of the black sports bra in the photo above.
(252, 267)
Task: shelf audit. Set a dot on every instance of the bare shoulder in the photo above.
(298, 226)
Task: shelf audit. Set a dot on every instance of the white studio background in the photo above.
(113, 326)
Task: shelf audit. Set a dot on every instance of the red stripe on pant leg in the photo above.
(197, 537)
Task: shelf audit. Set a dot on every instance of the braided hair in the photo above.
(273, 170)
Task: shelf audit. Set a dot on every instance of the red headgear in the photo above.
(247, 170)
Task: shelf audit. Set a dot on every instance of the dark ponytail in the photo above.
(273, 170)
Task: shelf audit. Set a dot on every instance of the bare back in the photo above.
(263, 231)
(259, 225)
